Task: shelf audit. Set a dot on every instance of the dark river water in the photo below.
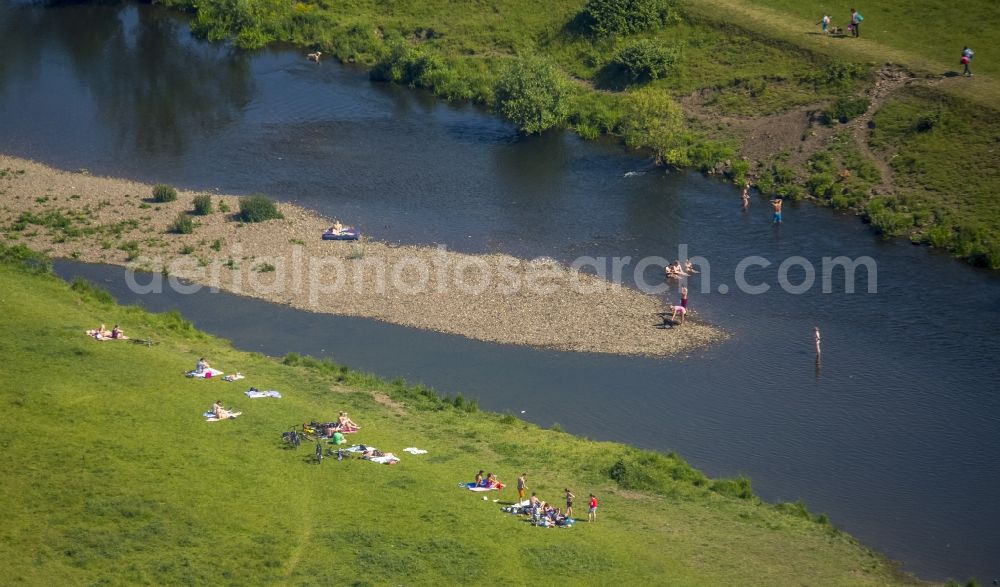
(896, 435)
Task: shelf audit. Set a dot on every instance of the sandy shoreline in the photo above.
(491, 297)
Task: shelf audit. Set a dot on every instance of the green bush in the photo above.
(182, 224)
(164, 193)
(532, 95)
(739, 487)
(26, 259)
(821, 185)
(258, 208)
(655, 472)
(653, 121)
(203, 205)
(605, 18)
(645, 60)
(403, 63)
(88, 290)
(845, 109)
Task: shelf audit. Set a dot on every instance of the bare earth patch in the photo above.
(491, 297)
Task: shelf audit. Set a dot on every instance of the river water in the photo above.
(895, 435)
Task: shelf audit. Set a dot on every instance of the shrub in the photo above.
(605, 18)
(650, 471)
(265, 268)
(652, 120)
(739, 487)
(845, 109)
(203, 205)
(164, 193)
(187, 250)
(182, 224)
(532, 95)
(645, 61)
(224, 207)
(24, 258)
(403, 63)
(90, 291)
(258, 208)
(821, 184)
(216, 245)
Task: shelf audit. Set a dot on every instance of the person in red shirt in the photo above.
(592, 517)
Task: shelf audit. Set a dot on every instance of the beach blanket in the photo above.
(386, 459)
(367, 454)
(414, 450)
(236, 377)
(473, 487)
(210, 417)
(269, 393)
(206, 374)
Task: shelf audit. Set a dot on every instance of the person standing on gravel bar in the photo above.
(966, 59)
(684, 297)
(856, 19)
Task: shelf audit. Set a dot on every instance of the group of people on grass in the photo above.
(490, 481)
(854, 27)
(543, 513)
(103, 333)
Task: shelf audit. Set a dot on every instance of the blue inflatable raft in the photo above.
(346, 234)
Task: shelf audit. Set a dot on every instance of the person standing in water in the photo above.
(746, 196)
(816, 336)
(776, 218)
(684, 297)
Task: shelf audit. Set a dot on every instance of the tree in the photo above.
(532, 95)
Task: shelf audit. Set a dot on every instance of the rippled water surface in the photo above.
(896, 435)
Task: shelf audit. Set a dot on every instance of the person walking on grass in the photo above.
(522, 485)
(569, 503)
(825, 23)
(856, 19)
(592, 514)
(966, 59)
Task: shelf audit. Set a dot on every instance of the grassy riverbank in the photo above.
(743, 87)
(118, 480)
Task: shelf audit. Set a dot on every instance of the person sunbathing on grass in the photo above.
(492, 482)
(219, 411)
(117, 333)
(479, 480)
(101, 333)
(202, 366)
(346, 424)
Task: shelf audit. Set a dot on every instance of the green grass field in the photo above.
(113, 478)
(932, 30)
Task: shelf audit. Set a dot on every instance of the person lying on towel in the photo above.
(220, 412)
